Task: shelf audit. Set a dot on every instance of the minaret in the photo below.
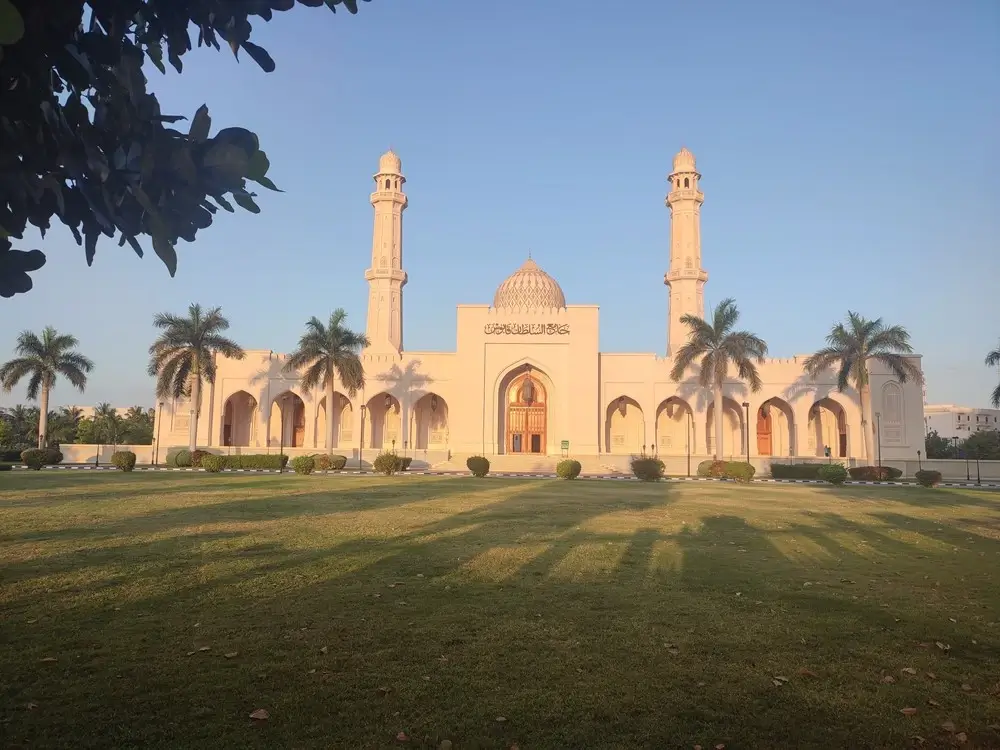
(386, 276)
(686, 278)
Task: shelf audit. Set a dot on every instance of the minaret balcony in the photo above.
(393, 274)
(685, 274)
(685, 194)
(394, 196)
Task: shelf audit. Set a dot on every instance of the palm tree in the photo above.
(717, 346)
(327, 351)
(850, 347)
(184, 355)
(109, 425)
(23, 422)
(64, 423)
(992, 360)
(42, 360)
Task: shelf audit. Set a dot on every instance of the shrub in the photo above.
(182, 458)
(796, 471)
(53, 455)
(6, 467)
(331, 462)
(212, 463)
(255, 461)
(405, 463)
(568, 469)
(321, 461)
(197, 456)
(478, 465)
(12, 456)
(34, 458)
(303, 464)
(832, 473)
(338, 462)
(928, 477)
(739, 471)
(715, 469)
(387, 463)
(648, 469)
(873, 474)
(123, 460)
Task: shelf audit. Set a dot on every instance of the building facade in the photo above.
(951, 421)
(527, 379)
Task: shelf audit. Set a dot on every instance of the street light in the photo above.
(281, 439)
(156, 450)
(919, 465)
(878, 432)
(746, 408)
(979, 479)
(690, 429)
(97, 434)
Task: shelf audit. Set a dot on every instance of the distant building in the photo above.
(950, 421)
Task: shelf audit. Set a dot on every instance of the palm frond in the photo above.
(995, 397)
(903, 368)
(993, 358)
(35, 383)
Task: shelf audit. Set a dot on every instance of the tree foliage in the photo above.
(936, 446)
(993, 360)
(329, 350)
(84, 142)
(984, 445)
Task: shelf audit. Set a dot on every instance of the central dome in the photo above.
(529, 287)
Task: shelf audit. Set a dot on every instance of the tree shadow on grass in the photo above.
(578, 630)
(911, 494)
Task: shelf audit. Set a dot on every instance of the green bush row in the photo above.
(832, 473)
(738, 471)
(875, 473)
(796, 471)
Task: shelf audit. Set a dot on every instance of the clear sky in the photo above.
(849, 154)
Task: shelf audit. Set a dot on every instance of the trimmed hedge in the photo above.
(568, 469)
(181, 458)
(329, 462)
(832, 473)
(34, 458)
(11, 456)
(197, 456)
(123, 460)
(716, 469)
(6, 467)
(738, 471)
(796, 471)
(928, 477)
(49, 455)
(303, 464)
(213, 463)
(387, 463)
(872, 473)
(255, 461)
(648, 469)
(478, 465)
(404, 462)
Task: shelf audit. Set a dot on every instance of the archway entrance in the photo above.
(526, 418)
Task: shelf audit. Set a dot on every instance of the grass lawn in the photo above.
(159, 610)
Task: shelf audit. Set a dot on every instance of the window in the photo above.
(892, 407)
(687, 182)
(387, 183)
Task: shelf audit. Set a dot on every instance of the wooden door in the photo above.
(764, 433)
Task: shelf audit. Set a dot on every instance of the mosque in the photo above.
(527, 385)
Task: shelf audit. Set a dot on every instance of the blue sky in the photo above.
(849, 155)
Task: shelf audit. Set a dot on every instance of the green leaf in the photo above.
(259, 164)
(230, 159)
(200, 125)
(244, 200)
(11, 23)
(260, 56)
(165, 252)
(221, 200)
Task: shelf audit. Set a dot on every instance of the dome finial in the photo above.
(529, 254)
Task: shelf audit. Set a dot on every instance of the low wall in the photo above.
(82, 453)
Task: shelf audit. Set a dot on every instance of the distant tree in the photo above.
(6, 434)
(110, 426)
(87, 432)
(139, 425)
(23, 422)
(936, 446)
(184, 355)
(325, 352)
(41, 360)
(716, 346)
(992, 360)
(984, 445)
(849, 349)
(84, 142)
(62, 425)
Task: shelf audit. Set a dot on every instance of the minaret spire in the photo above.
(686, 278)
(386, 276)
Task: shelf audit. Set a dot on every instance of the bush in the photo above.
(123, 460)
(928, 477)
(715, 469)
(387, 463)
(648, 469)
(478, 465)
(832, 473)
(405, 463)
(34, 458)
(257, 461)
(303, 464)
(568, 469)
(197, 456)
(212, 463)
(872, 473)
(796, 471)
(11, 456)
(338, 462)
(739, 471)
(182, 458)
(331, 462)
(53, 455)
(6, 467)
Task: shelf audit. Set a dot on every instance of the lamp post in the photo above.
(920, 466)
(361, 447)
(878, 432)
(156, 449)
(746, 408)
(979, 479)
(281, 438)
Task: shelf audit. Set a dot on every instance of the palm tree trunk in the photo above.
(867, 433)
(329, 415)
(43, 416)
(717, 408)
(195, 396)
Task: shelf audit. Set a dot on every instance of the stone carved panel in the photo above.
(526, 329)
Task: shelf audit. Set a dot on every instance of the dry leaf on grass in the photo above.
(383, 690)
(908, 670)
(932, 702)
(966, 686)
(806, 672)
(324, 649)
(888, 679)
(942, 646)
(192, 653)
(501, 719)
(232, 654)
(948, 726)
(205, 648)
(908, 711)
(781, 677)
(49, 658)
(931, 676)
(402, 737)
(31, 705)
(720, 746)
(961, 738)
(260, 714)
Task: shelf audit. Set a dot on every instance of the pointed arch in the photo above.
(774, 427)
(733, 435)
(827, 428)
(522, 412)
(384, 421)
(343, 421)
(674, 427)
(430, 422)
(239, 420)
(287, 423)
(624, 426)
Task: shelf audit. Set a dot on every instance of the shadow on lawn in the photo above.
(521, 607)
